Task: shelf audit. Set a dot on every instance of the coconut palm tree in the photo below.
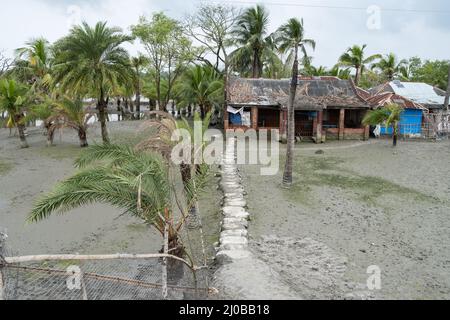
(201, 86)
(388, 115)
(36, 60)
(14, 99)
(390, 66)
(255, 45)
(290, 37)
(91, 61)
(138, 63)
(336, 71)
(136, 182)
(355, 58)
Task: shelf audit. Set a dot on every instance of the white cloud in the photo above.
(334, 30)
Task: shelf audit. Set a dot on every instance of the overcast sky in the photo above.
(407, 28)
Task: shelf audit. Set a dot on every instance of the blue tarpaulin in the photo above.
(410, 123)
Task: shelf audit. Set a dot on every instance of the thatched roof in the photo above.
(312, 94)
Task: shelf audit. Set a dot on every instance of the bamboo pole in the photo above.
(40, 258)
(165, 292)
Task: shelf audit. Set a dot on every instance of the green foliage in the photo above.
(355, 57)
(90, 61)
(388, 115)
(202, 86)
(13, 96)
(389, 66)
(168, 50)
(255, 46)
(136, 182)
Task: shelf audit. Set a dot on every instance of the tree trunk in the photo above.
(83, 138)
(21, 129)
(50, 136)
(102, 115)
(138, 104)
(202, 112)
(287, 177)
(395, 135)
(447, 94)
(357, 76)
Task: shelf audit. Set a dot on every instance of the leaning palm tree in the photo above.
(390, 66)
(136, 182)
(254, 44)
(69, 113)
(291, 37)
(355, 58)
(201, 86)
(92, 61)
(14, 98)
(388, 115)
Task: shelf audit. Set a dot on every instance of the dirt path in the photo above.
(354, 207)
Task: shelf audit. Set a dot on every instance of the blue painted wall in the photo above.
(410, 122)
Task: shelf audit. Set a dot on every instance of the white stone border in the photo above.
(234, 234)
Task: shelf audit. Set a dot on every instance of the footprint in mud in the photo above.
(309, 267)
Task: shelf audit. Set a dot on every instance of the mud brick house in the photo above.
(326, 108)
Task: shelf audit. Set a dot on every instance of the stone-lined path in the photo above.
(242, 275)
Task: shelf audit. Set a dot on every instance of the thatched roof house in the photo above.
(324, 106)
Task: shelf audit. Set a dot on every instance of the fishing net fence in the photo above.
(100, 277)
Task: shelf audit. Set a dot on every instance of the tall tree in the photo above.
(168, 49)
(390, 66)
(138, 63)
(255, 45)
(5, 64)
(291, 37)
(91, 61)
(212, 27)
(14, 99)
(355, 57)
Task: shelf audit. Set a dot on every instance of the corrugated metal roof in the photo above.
(418, 92)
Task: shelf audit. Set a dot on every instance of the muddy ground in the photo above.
(96, 229)
(354, 205)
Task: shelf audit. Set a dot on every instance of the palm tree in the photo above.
(36, 59)
(254, 43)
(201, 86)
(69, 113)
(134, 181)
(138, 63)
(389, 115)
(14, 98)
(291, 37)
(336, 71)
(91, 61)
(194, 177)
(355, 58)
(390, 66)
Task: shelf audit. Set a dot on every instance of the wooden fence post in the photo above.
(2, 265)
(165, 292)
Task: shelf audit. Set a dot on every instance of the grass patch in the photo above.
(5, 167)
(322, 171)
(61, 152)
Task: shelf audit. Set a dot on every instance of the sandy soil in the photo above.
(26, 174)
(354, 206)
